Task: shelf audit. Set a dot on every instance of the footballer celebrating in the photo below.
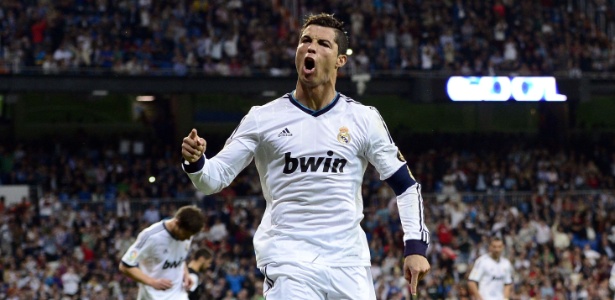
(156, 260)
(311, 148)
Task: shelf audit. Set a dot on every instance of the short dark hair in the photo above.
(495, 238)
(190, 218)
(328, 20)
(203, 252)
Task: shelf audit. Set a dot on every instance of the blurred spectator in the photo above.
(151, 214)
(71, 282)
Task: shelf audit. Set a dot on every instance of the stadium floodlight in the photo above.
(145, 98)
(349, 52)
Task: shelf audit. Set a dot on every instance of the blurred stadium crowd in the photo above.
(250, 37)
(555, 210)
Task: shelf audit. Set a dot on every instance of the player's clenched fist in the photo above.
(193, 147)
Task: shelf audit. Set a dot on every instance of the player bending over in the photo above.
(156, 260)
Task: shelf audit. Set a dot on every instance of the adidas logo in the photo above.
(285, 132)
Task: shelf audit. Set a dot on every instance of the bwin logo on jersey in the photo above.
(500, 278)
(312, 164)
(172, 264)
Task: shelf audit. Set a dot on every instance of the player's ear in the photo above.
(341, 60)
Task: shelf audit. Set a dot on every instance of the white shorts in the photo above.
(302, 280)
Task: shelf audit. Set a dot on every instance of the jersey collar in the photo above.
(309, 111)
(167, 229)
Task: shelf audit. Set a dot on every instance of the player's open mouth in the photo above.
(309, 65)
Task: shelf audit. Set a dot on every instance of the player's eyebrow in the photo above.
(319, 40)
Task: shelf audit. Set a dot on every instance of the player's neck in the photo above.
(314, 98)
(171, 227)
(169, 224)
(495, 257)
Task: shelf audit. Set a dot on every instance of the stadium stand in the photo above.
(244, 38)
(554, 209)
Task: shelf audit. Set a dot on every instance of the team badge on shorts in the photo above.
(343, 137)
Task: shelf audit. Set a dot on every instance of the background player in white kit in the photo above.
(156, 260)
(491, 275)
(311, 148)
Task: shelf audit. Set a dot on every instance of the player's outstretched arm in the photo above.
(416, 234)
(211, 175)
(138, 275)
(391, 164)
(193, 147)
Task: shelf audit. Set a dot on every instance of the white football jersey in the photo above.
(491, 276)
(159, 255)
(311, 166)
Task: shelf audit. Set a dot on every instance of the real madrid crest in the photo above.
(344, 136)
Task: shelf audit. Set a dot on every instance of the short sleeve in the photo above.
(137, 251)
(477, 271)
